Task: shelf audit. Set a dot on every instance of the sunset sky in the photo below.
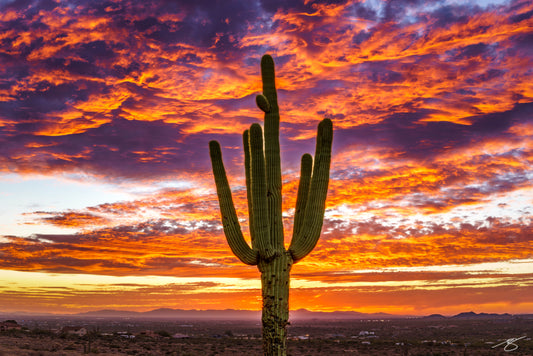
(107, 108)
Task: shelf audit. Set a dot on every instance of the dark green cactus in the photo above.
(263, 186)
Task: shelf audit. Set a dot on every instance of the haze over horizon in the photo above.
(245, 314)
(107, 108)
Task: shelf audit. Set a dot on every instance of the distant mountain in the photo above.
(307, 314)
(231, 314)
(472, 315)
(108, 313)
(227, 314)
(434, 316)
(162, 313)
(25, 313)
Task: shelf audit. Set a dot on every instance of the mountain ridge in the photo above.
(299, 314)
(239, 314)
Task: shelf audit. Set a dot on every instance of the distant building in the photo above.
(9, 325)
(180, 336)
(74, 330)
(125, 334)
(366, 333)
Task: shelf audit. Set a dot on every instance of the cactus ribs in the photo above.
(263, 185)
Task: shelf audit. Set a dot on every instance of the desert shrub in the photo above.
(42, 332)
(163, 333)
(70, 347)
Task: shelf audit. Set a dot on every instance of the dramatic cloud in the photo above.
(432, 105)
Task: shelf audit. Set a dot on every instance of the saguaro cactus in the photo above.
(263, 185)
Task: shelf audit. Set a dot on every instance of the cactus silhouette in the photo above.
(263, 186)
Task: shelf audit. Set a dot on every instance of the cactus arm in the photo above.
(272, 150)
(304, 242)
(246, 145)
(263, 188)
(262, 103)
(259, 193)
(303, 192)
(230, 222)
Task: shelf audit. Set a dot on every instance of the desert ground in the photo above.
(311, 337)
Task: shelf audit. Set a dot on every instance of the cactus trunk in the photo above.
(263, 186)
(275, 275)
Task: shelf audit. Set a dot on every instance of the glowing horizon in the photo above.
(107, 108)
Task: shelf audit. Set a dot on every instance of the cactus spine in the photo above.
(263, 186)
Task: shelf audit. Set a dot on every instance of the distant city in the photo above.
(237, 332)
